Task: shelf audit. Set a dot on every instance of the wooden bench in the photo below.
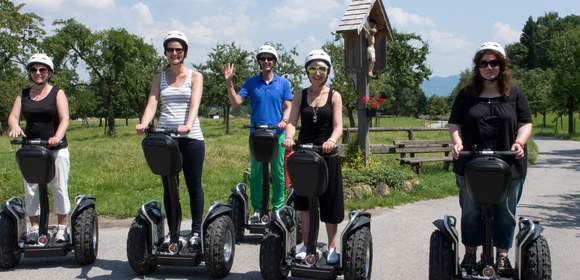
(412, 147)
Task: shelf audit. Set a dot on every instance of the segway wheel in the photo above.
(358, 255)
(86, 236)
(272, 259)
(440, 257)
(138, 253)
(238, 217)
(219, 246)
(9, 251)
(537, 264)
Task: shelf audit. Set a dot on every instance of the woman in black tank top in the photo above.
(319, 109)
(45, 109)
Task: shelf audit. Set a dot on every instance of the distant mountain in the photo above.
(441, 86)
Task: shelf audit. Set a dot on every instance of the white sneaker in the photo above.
(195, 240)
(32, 234)
(332, 257)
(301, 253)
(61, 234)
(255, 218)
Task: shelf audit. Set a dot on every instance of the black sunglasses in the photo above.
(266, 58)
(491, 63)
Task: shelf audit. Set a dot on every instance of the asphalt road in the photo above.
(400, 235)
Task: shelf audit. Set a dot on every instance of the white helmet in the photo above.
(40, 58)
(267, 49)
(492, 46)
(317, 55)
(176, 35)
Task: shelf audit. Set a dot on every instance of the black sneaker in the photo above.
(469, 262)
(503, 263)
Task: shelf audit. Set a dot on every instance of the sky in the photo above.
(452, 28)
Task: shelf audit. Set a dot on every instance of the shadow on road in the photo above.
(565, 214)
(566, 159)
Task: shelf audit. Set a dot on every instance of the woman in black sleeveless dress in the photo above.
(320, 111)
(45, 109)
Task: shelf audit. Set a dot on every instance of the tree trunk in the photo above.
(100, 121)
(111, 120)
(544, 119)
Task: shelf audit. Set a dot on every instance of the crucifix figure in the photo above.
(370, 30)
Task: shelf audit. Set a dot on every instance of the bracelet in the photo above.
(520, 144)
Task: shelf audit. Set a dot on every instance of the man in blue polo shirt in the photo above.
(271, 99)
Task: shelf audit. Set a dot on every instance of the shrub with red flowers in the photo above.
(372, 102)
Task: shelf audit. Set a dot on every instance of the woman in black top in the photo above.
(320, 111)
(45, 109)
(490, 113)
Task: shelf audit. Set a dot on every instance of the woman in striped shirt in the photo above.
(180, 90)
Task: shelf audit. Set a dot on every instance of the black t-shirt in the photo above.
(491, 123)
(41, 116)
(316, 123)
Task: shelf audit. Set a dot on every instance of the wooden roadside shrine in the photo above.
(366, 31)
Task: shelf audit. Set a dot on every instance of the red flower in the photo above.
(375, 105)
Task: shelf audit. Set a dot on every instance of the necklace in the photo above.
(315, 108)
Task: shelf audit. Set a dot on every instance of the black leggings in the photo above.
(193, 154)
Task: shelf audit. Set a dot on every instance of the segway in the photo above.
(37, 166)
(487, 181)
(264, 148)
(147, 244)
(309, 174)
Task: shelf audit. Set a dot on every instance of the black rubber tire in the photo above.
(138, 252)
(238, 218)
(9, 252)
(440, 257)
(272, 264)
(537, 264)
(219, 233)
(355, 255)
(86, 236)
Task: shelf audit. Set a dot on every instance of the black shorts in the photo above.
(332, 200)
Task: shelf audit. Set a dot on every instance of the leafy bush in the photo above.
(379, 173)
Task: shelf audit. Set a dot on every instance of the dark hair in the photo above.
(181, 42)
(475, 86)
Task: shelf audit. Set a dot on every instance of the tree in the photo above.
(120, 64)
(214, 82)
(19, 36)
(437, 106)
(287, 67)
(407, 69)
(537, 85)
(565, 56)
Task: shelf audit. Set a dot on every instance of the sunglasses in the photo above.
(42, 70)
(266, 58)
(176, 50)
(313, 70)
(491, 63)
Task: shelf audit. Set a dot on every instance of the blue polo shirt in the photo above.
(267, 100)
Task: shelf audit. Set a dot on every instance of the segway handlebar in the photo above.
(161, 130)
(261, 126)
(34, 142)
(469, 154)
(310, 147)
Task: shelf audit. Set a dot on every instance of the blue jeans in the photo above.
(193, 154)
(504, 222)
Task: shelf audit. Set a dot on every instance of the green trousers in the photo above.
(277, 175)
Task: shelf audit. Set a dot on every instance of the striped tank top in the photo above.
(175, 106)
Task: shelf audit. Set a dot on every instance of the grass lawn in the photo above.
(555, 128)
(115, 172)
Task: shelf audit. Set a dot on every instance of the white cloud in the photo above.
(504, 34)
(142, 14)
(95, 4)
(404, 20)
(297, 12)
